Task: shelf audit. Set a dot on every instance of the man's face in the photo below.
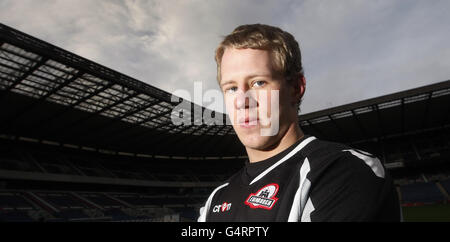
(261, 105)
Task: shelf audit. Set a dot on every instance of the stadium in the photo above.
(82, 142)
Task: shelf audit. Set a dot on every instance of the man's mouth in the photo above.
(248, 122)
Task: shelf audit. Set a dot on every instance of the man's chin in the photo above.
(261, 143)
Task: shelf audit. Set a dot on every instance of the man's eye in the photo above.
(231, 89)
(258, 83)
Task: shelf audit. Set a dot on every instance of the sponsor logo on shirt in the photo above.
(264, 197)
(222, 207)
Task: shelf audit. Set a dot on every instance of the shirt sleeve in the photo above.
(202, 217)
(354, 187)
(205, 209)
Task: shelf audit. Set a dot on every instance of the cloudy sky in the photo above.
(352, 49)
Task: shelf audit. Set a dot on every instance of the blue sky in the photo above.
(352, 49)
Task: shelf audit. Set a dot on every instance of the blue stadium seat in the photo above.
(72, 214)
(117, 214)
(421, 193)
(14, 216)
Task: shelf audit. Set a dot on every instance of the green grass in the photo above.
(427, 213)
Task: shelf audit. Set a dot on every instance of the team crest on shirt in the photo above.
(264, 197)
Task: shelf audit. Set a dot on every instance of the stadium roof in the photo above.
(48, 94)
(411, 111)
(59, 96)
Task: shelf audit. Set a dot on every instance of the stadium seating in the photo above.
(89, 206)
(446, 185)
(10, 160)
(421, 193)
(89, 166)
(9, 200)
(14, 207)
(45, 159)
(117, 214)
(102, 200)
(72, 214)
(15, 216)
(62, 200)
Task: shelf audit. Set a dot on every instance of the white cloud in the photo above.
(363, 49)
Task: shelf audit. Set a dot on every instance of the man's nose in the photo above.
(245, 100)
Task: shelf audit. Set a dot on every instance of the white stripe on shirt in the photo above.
(204, 210)
(301, 195)
(289, 155)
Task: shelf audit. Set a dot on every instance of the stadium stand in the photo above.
(24, 206)
(421, 193)
(446, 184)
(82, 142)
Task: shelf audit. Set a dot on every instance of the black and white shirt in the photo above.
(313, 180)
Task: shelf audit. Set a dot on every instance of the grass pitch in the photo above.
(427, 213)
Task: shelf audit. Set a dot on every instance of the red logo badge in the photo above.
(226, 206)
(264, 197)
(222, 207)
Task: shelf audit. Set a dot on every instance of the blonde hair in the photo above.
(284, 49)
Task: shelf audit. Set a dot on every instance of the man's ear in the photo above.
(299, 88)
(302, 84)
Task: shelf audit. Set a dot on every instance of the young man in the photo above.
(290, 176)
